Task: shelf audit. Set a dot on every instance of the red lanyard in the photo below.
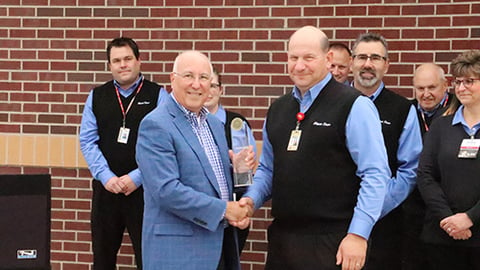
(423, 114)
(124, 112)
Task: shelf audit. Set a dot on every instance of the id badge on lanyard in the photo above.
(296, 134)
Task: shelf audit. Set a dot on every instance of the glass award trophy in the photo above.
(242, 174)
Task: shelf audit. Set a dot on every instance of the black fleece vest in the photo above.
(121, 157)
(316, 183)
(393, 110)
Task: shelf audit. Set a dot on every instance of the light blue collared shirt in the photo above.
(459, 119)
(365, 143)
(89, 138)
(408, 152)
(237, 136)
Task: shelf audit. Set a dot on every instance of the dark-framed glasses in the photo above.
(374, 58)
(467, 83)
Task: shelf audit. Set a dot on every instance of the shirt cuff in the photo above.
(360, 225)
(105, 176)
(136, 176)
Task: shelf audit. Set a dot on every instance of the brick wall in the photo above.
(52, 53)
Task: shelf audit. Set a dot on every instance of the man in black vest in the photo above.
(431, 101)
(323, 164)
(108, 136)
(402, 141)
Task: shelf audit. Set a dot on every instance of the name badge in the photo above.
(294, 140)
(469, 148)
(123, 135)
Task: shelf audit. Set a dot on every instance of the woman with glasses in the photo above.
(449, 175)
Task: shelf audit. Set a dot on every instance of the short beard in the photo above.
(367, 83)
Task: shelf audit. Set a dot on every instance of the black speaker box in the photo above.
(25, 222)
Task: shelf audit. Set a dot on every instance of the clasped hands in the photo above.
(238, 213)
(123, 184)
(457, 226)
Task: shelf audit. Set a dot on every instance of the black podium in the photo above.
(25, 222)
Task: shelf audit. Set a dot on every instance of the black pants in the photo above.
(413, 248)
(290, 249)
(230, 255)
(385, 251)
(111, 214)
(442, 257)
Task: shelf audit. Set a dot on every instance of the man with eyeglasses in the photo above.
(431, 101)
(182, 153)
(341, 62)
(403, 143)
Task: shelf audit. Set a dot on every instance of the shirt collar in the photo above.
(131, 88)
(378, 91)
(313, 92)
(193, 117)
(434, 110)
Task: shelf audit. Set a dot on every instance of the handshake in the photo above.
(238, 213)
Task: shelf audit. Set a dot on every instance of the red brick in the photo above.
(465, 44)
(207, 23)
(400, 22)
(149, 23)
(297, 23)
(23, 118)
(223, 34)
(11, 22)
(35, 44)
(91, 23)
(64, 66)
(269, 23)
(418, 33)
(11, 64)
(80, 77)
(193, 12)
(224, 12)
(465, 20)
(178, 23)
(178, 45)
(24, 76)
(10, 43)
(63, 2)
(253, 34)
(238, 23)
(50, 12)
(302, 2)
(164, 12)
(78, 34)
(366, 22)
(135, 12)
(452, 33)
(178, 3)
(78, 12)
(239, 2)
(21, 12)
(22, 97)
(17, 33)
(51, 55)
(434, 45)
(254, 12)
(219, 57)
(35, 129)
(120, 2)
(294, 11)
(418, 10)
(208, 45)
(350, 10)
(376, 10)
(82, 3)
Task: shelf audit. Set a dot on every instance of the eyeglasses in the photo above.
(215, 85)
(374, 58)
(190, 77)
(467, 83)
